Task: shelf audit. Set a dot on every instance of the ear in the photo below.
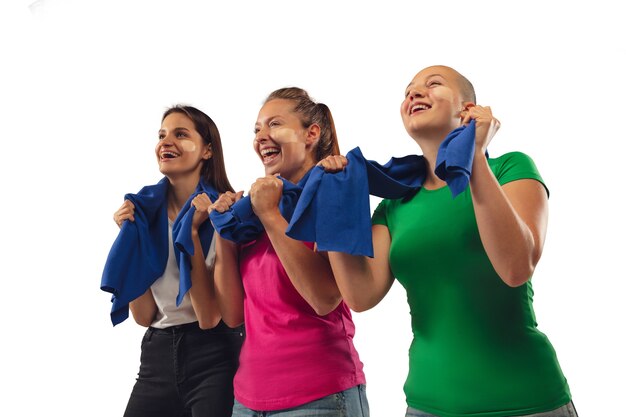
(466, 105)
(208, 152)
(313, 134)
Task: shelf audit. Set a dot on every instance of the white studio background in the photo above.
(83, 85)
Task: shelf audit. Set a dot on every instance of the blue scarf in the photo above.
(332, 209)
(240, 225)
(455, 157)
(139, 254)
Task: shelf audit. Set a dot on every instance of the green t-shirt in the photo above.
(476, 350)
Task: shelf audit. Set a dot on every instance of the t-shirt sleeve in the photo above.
(517, 166)
(380, 214)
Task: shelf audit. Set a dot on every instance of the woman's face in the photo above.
(180, 150)
(432, 102)
(284, 146)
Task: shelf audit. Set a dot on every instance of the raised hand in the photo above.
(225, 201)
(333, 163)
(125, 212)
(201, 202)
(265, 195)
(486, 124)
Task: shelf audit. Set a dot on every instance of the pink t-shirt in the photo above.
(290, 355)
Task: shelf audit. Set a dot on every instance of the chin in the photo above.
(271, 171)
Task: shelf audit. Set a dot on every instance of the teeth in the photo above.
(267, 151)
(171, 154)
(419, 107)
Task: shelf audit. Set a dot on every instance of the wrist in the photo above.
(270, 217)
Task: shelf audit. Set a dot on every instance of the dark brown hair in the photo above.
(311, 112)
(213, 169)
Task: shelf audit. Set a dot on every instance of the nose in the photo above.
(261, 135)
(414, 94)
(166, 140)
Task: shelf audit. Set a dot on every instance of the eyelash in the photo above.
(430, 84)
(178, 135)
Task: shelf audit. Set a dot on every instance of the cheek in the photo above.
(286, 135)
(444, 94)
(404, 106)
(188, 146)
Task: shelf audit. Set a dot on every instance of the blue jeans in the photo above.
(186, 371)
(349, 403)
(567, 410)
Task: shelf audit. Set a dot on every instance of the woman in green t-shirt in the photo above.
(466, 264)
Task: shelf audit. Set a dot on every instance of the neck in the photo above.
(179, 192)
(429, 144)
(299, 174)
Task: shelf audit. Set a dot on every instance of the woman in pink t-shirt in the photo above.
(298, 355)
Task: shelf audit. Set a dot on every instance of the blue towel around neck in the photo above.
(239, 224)
(455, 158)
(333, 210)
(139, 253)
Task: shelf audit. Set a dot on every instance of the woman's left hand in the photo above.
(265, 195)
(333, 163)
(486, 124)
(201, 202)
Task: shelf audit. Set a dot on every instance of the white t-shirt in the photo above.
(165, 291)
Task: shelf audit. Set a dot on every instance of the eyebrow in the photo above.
(175, 129)
(427, 78)
(268, 119)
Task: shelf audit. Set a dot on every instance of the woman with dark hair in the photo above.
(188, 354)
(298, 358)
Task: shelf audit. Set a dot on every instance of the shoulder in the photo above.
(511, 159)
(514, 166)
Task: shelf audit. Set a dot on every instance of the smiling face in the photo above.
(432, 103)
(284, 146)
(180, 150)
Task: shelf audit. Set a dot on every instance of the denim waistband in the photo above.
(195, 327)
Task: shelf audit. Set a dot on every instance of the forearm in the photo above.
(512, 244)
(143, 308)
(228, 286)
(358, 285)
(202, 291)
(309, 272)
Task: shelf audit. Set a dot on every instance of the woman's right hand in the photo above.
(333, 163)
(225, 201)
(126, 212)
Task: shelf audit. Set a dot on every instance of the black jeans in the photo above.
(186, 371)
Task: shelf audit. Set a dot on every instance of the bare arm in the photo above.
(202, 291)
(144, 308)
(512, 222)
(364, 282)
(309, 271)
(512, 219)
(229, 290)
(228, 285)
